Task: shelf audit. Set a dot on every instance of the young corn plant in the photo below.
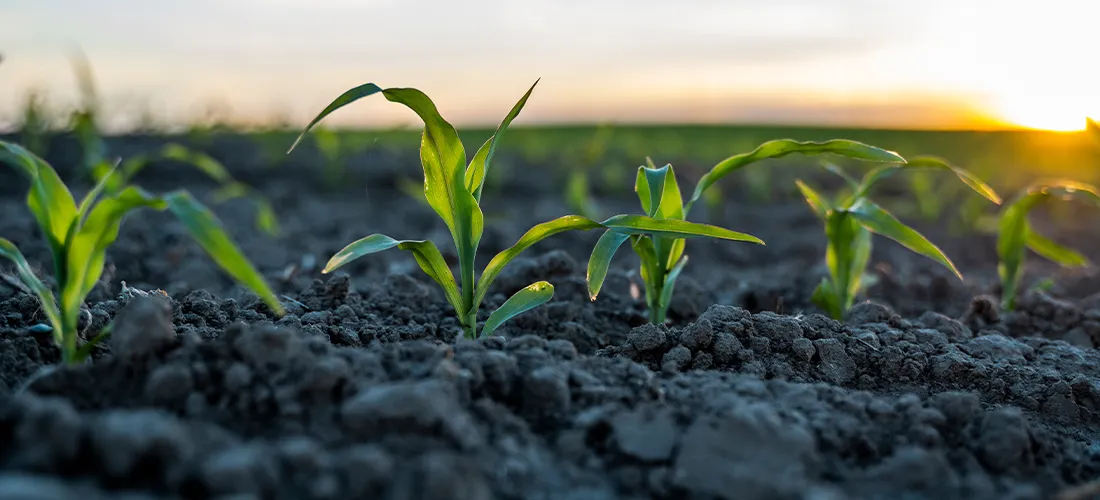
(851, 219)
(228, 187)
(453, 188)
(84, 121)
(662, 256)
(34, 129)
(78, 237)
(1016, 236)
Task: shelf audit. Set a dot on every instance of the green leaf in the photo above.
(839, 172)
(89, 199)
(652, 275)
(670, 284)
(650, 187)
(825, 297)
(479, 166)
(880, 173)
(201, 161)
(1054, 252)
(784, 147)
(879, 221)
(426, 253)
(85, 350)
(209, 234)
(669, 207)
(49, 199)
(9, 251)
(1015, 235)
(266, 219)
(600, 260)
(534, 295)
(86, 249)
(671, 228)
(346, 98)
(532, 236)
(444, 161)
(814, 199)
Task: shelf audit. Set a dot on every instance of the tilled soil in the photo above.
(364, 391)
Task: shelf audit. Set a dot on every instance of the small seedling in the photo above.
(84, 121)
(1015, 234)
(228, 187)
(79, 235)
(662, 256)
(850, 221)
(34, 130)
(453, 188)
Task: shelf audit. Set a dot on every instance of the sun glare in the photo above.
(1051, 112)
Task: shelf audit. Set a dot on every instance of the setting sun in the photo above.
(1058, 113)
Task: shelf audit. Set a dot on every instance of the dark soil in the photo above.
(363, 391)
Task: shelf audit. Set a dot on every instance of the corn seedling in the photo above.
(851, 219)
(84, 121)
(662, 256)
(34, 129)
(79, 235)
(453, 188)
(228, 188)
(1015, 234)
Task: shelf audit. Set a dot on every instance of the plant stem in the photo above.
(468, 317)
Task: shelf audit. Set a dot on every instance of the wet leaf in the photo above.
(600, 261)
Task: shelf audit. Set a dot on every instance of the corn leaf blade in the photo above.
(534, 235)
(444, 160)
(204, 227)
(670, 284)
(973, 182)
(479, 166)
(600, 260)
(875, 219)
(427, 256)
(26, 274)
(814, 199)
(530, 297)
(86, 249)
(49, 199)
(650, 187)
(784, 147)
(266, 220)
(1052, 251)
(671, 228)
(352, 95)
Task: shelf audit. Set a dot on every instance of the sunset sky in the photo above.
(899, 63)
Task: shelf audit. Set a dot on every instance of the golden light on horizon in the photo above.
(1057, 114)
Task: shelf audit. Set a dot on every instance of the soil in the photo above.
(363, 390)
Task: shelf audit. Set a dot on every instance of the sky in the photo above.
(887, 63)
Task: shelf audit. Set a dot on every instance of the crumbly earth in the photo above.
(365, 390)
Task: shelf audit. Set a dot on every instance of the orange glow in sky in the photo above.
(880, 63)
